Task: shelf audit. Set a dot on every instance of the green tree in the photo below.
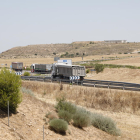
(9, 90)
(99, 68)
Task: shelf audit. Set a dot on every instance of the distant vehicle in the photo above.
(61, 70)
(17, 66)
(42, 68)
(64, 71)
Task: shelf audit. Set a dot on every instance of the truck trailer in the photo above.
(42, 68)
(17, 66)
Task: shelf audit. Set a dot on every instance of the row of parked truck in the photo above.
(61, 69)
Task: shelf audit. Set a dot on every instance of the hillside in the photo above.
(69, 50)
(28, 122)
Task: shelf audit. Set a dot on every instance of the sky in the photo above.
(28, 22)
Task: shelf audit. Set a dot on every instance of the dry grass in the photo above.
(28, 123)
(117, 74)
(130, 61)
(104, 99)
(47, 50)
(50, 60)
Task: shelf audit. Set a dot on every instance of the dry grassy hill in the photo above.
(28, 123)
(69, 50)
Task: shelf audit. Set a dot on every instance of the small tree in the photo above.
(87, 71)
(58, 125)
(26, 73)
(99, 68)
(9, 90)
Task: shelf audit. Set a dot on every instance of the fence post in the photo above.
(123, 87)
(43, 132)
(94, 84)
(81, 83)
(108, 85)
(8, 113)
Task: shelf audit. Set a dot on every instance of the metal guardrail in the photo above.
(89, 83)
(111, 84)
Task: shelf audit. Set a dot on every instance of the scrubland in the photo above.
(122, 106)
(109, 100)
(40, 98)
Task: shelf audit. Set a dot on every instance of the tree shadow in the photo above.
(61, 133)
(4, 113)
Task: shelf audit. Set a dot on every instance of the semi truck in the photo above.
(17, 66)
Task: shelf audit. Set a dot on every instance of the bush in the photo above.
(65, 115)
(51, 116)
(26, 73)
(9, 90)
(27, 91)
(104, 123)
(66, 106)
(87, 71)
(81, 118)
(58, 125)
(99, 68)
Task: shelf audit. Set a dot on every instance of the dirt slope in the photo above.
(28, 125)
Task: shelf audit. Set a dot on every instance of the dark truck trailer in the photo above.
(17, 66)
(41, 67)
(65, 71)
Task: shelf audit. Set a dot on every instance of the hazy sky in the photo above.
(26, 22)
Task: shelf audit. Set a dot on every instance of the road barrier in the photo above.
(89, 83)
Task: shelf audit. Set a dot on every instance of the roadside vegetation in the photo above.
(104, 99)
(26, 73)
(93, 65)
(10, 84)
(69, 113)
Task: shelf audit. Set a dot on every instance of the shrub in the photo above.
(87, 71)
(26, 73)
(104, 123)
(99, 67)
(51, 116)
(65, 115)
(27, 91)
(91, 42)
(58, 125)
(66, 106)
(9, 90)
(81, 118)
